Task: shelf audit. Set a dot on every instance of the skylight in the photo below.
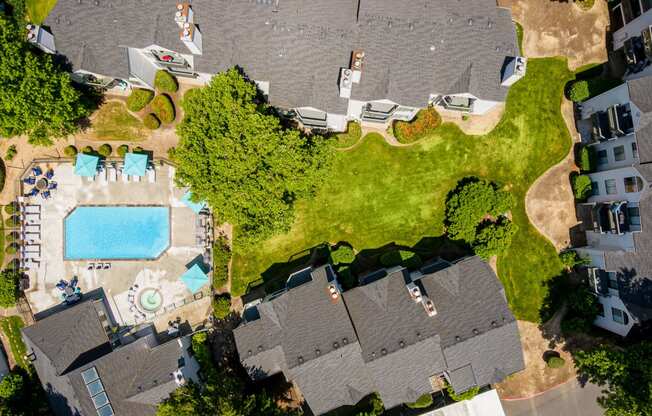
(96, 392)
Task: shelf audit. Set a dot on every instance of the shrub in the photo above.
(346, 278)
(570, 259)
(11, 237)
(342, 255)
(579, 91)
(494, 238)
(11, 208)
(165, 81)
(11, 152)
(163, 108)
(221, 306)
(122, 150)
(12, 222)
(469, 203)
(88, 150)
(11, 387)
(105, 150)
(9, 287)
(139, 98)
(422, 402)
(467, 395)
(586, 159)
(581, 186)
(401, 258)
(555, 362)
(221, 259)
(201, 351)
(137, 149)
(151, 122)
(70, 151)
(426, 121)
(11, 248)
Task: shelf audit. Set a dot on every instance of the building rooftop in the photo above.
(375, 337)
(411, 50)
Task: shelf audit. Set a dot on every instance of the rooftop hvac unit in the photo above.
(346, 82)
(430, 307)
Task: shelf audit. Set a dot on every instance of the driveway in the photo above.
(568, 399)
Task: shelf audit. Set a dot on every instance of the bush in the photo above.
(123, 149)
(11, 237)
(151, 122)
(586, 158)
(70, 151)
(3, 172)
(467, 395)
(342, 255)
(165, 81)
(581, 186)
(221, 306)
(9, 287)
(11, 208)
(11, 249)
(163, 108)
(469, 203)
(221, 259)
(11, 152)
(88, 150)
(494, 238)
(579, 91)
(139, 98)
(401, 258)
(138, 149)
(426, 121)
(555, 362)
(570, 259)
(422, 402)
(105, 150)
(11, 387)
(12, 222)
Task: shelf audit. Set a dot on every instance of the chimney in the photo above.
(191, 37)
(346, 81)
(514, 71)
(357, 61)
(183, 14)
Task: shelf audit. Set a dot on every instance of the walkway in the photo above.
(566, 400)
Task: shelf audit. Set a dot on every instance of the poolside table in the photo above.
(42, 184)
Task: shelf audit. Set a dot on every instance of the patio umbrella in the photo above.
(135, 164)
(194, 278)
(86, 165)
(195, 206)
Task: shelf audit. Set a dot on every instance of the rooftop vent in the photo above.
(514, 71)
(336, 345)
(191, 37)
(383, 351)
(475, 331)
(357, 62)
(345, 341)
(317, 352)
(183, 14)
(40, 38)
(430, 307)
(346, 82)
(415, 292)
(333, 291)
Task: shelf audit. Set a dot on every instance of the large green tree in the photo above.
(626, 375)
(9, 287)
(236, 155)
(36, 96)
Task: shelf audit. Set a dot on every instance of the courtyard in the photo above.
(137, 289)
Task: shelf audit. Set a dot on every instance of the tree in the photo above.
(222, 306)
(9, 287)
(342, 255)
(70, 151)
(122, 150)
(105, 150)
(583, 307)
(494, 238)
(236, 156)
(626, 376)
(579, 91)
(36, 96)
(11, 387)
(582, 187)
(165, 82)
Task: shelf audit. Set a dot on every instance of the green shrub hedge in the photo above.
(586, 159)
(105, 150)
(165, 81)
(221, 259)
(581, 186)
(123, 149)
(11, 152)
(88, 150)
(422, 402)
(70, 151)
(221, 306)
(342, 255)
(11, 208)
(350, 137)
(12, 222)
(426, 121)
(163, 108)
(467, 395)
(555, 362)
(579, 91)
(151, 122)
(139, 98)
(11, 248)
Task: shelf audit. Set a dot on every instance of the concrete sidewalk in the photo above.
(566, 400)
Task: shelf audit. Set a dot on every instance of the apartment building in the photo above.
(321, 62)
(617, 217)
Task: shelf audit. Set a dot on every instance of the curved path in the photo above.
(569, 398)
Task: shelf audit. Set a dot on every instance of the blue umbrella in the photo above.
(195, 206)
(135, 164)
(194, 278)
(86, 165)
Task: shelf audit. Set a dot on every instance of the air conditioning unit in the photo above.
(429, 306)
(346, 81)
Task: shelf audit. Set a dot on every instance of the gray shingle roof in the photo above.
(396, 348)
(136, 377)
(300, 48)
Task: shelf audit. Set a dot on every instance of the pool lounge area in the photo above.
(135, 239)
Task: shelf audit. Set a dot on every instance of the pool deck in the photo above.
(162, 274)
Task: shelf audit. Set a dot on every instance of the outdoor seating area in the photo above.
(30, 235)
(98, 266)
(39, 182)
(133, 168)
(204, 229)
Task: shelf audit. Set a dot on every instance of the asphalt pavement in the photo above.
(569, 399)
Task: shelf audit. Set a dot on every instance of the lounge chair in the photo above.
(37, 171)
(32, 192)
(31, 209)
(90, 266)
(31, 255)
(125, 178)
(32, 228)
(136, 178)
(46, 195)
(32, 248)
(107, 266)
(98, 266)
(90, 178)
(113, 174)
(103, 177)
(52, 185)
(151, 175)
(30, 181)
(49, 174)
(31, 216)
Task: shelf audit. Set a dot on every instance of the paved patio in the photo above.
(161, 274)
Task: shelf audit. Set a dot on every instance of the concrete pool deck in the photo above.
(161, 274)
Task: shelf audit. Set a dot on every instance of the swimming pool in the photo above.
(116, 232)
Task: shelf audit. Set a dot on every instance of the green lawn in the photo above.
(11, 327)
(377, 194)
(38, 10)
(113, 122)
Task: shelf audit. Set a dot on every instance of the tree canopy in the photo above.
(234, 154)
(36, 96)
(625, 374)
(8, 287)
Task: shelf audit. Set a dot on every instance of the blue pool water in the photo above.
(118, 233)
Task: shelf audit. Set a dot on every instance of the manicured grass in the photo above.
(38, 10)
(349, 138)
(11, 327)
(378, 194)
(113, 122)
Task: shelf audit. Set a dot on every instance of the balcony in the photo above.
(604, 218)
(613, 123)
